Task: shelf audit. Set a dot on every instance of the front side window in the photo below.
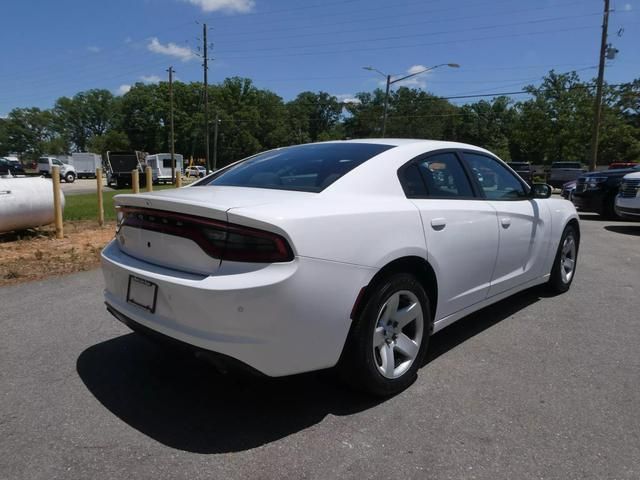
(495, 180)
(307, 168)
(439, 175)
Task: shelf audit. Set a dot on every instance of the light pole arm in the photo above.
(416, 73)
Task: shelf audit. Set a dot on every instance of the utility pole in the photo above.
(172, 140)
(206, 97)
(386, 106)
(597, 109)
(215, 142)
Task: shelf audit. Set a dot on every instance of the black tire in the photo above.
(558, 282)
(359, 366)
(70, 177)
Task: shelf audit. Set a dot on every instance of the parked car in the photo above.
(264, 264)
(196, 171)
(616, 165)
(523, 169)
(67, 171)
(11, 167)
(568, 189)
(596, 191)
(628, 199)
(563, 172)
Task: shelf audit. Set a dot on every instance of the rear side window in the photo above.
(307, 168)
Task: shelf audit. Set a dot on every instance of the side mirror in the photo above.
(541, 190)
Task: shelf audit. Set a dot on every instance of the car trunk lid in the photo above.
(186, 229)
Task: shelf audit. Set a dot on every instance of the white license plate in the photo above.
(142, 293)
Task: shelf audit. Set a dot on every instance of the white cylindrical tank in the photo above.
(26, 203)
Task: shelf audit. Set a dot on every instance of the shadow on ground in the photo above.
(625, 229)
(591, 217)
(183, 403)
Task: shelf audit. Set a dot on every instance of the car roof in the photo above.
(397, 142)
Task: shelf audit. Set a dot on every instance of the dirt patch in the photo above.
(35, 253)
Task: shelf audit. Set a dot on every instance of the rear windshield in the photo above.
(306, 168)
(517, 166)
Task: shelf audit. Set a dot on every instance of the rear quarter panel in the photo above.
(363, 230)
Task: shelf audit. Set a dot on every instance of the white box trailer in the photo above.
(86, 164)
(160, 164)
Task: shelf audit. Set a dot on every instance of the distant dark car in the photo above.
(524, 170)
(568, 189)
(596, 191)
(11, 167)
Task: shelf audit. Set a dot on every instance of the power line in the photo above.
(428, 34)
(359, 19)
(396, 47)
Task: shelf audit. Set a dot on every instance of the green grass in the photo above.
(85, 206)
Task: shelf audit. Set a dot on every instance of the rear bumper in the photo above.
(279, 319)
(221, 362)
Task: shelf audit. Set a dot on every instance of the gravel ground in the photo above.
(533, 387)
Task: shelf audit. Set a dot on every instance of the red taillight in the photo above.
(218, 239)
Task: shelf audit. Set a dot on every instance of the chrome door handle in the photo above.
(438, 223)
(506, 222)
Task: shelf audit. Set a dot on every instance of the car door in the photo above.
(523, 222)
(461, 230)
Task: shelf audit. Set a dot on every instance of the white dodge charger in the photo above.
(347, 253)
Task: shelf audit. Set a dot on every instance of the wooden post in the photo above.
(178, 178)
(100, 199)
(135, 181)
(149, 177)
(57, 204)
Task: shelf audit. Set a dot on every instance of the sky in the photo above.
(53, 49)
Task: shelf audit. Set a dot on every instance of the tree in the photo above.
(85, 115)
(314, 115)
(113, 140)
(28, 131)
(488, 124)
(556, 123)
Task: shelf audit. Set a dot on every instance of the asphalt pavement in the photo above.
(535, 387)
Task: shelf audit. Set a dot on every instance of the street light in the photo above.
(395, 80)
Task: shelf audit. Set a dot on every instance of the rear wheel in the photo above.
(564, 265)
(388, 342)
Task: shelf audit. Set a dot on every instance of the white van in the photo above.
(160, 164)
(67, 172)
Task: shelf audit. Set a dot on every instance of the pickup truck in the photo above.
(46, 164)
(563, 172)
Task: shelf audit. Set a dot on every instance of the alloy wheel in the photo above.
(398, 334)
(568, 258)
